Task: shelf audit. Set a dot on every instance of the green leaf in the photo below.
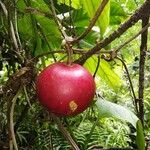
(50, 31)
(40, 4)
(105, 72)
(21, 5)
(25, 27)
(91, 6)
(140, 141)
(75, 3)
(117, 14)
(109, 109)
(80, 18)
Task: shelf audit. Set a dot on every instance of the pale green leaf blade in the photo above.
(109, 109)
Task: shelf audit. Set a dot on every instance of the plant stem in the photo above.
(143, 49)
(93, 20)
(60, 27)
(11, 121)
(70, 53)
(27, 97)
(65, 133)
(132, 38)
(131, 85)
(97, 67)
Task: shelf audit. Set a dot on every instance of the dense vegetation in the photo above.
(110, 39)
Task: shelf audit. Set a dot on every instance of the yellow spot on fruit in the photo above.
(73, 106)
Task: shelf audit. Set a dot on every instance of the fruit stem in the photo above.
(70, 53)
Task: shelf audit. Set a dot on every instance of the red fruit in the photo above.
(65, 90)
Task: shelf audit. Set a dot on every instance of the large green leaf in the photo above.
(140, 141)
(91, 6)
(105, 72)
(109, 109)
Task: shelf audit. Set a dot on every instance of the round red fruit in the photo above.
(65, 90)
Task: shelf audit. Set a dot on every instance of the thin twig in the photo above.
(4, 9)
(23, 77)
(75, 51)
(27, 97)
(12, 122)
(131, 85)
(92, 21)
(82, 52)
(65, 133)
(57, 20)
(67, 39)
(16, 24)
(132, 38)
(38, 12)
(13, 36)
(97, 67)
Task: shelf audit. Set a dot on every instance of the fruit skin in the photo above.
(65, 90)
